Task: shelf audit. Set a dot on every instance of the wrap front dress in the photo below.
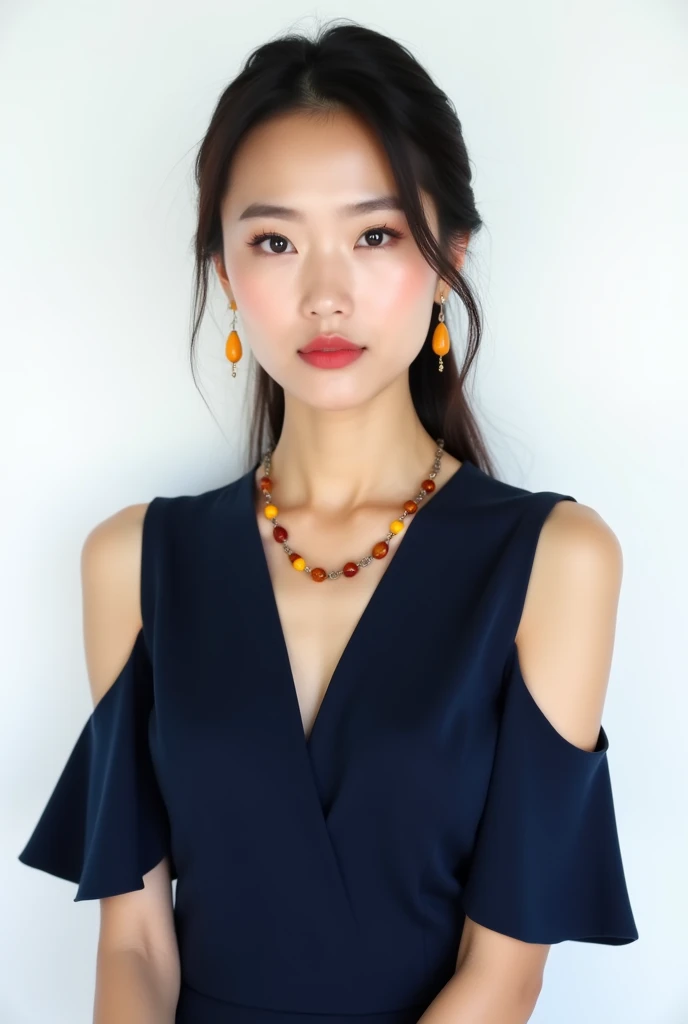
(327, 878)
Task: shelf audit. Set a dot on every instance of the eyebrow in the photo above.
(388, 202)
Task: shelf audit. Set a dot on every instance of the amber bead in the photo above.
(298, 563)
(396, 526)
(440, 339)
(380, 549)
(265, 483)
(280, 534)
(410, 507)
(428, 486)
(271, 511)
(318, 575)
(293, 556)
(350, 569)
(233, 349)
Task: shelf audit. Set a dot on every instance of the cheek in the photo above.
(402, 289)
(261, 304)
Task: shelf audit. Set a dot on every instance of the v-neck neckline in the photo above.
(273, 623)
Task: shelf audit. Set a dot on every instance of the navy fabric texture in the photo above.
(330, 876)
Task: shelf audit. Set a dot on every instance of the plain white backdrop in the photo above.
(575, 117)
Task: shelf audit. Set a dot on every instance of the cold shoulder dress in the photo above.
(327, 878)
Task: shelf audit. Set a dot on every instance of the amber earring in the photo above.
(440, 337)
(233, 349)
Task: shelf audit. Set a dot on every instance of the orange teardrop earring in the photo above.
(233, 349)
(440, 337)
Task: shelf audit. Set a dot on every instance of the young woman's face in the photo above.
(323, 269)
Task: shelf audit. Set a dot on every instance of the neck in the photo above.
(332, 461)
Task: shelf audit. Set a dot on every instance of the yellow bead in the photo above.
(396, 526)
(271, 511)
(299, 563)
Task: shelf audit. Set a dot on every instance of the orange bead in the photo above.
(410, 507)
(396, 526)
(271, 511)
(280, 534)
(380, 549)
(428, 486)
(350, 569)
(232, 304)
(265, 483)
(299, 563)
(440, 339)
(318, 575)
(293, 556)
(233, 349)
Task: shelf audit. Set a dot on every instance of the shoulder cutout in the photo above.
(111, 594)
(565, 638)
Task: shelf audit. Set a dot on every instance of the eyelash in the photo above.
(257, 239)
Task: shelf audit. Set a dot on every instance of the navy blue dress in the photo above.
(329, 877)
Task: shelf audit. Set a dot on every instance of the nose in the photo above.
(326, 289)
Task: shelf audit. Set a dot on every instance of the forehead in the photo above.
(315, 162)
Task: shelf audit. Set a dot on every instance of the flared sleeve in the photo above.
(546, 864)
(105, 824)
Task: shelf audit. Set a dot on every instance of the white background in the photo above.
(575, 120)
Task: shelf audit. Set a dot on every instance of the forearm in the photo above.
(472, 997)
(132, 988)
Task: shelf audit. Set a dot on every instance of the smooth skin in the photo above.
(351, 449)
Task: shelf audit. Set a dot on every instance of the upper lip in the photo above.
(334, 342)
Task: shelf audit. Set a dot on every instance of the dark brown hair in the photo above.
(348, 66)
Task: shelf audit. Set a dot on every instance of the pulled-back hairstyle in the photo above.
(348, 66)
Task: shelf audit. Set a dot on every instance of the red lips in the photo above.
(329, 342)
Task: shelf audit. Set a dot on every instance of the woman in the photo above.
(385, 796)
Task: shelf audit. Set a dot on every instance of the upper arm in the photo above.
(565, 639)
(565, 642)
(110, 577)
(110, 586)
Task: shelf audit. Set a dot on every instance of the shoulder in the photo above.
(111, 552)
(577, 555)
(566, 633)
(110, 583)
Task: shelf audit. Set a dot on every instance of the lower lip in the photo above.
(332, 360)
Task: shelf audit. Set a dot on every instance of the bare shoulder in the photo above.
(111, 604)
(578, 546)
(571, 524)
(566, 634)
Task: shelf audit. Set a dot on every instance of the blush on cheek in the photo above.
(263, 311)
(410, 287)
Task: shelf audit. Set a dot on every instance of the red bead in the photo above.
(280, 534)
(428, 485)
(318, 575)
(380, 549)
(350, 569)
(265, 483)
(410, 507)
(293, 556)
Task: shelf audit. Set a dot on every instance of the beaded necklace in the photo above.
(378, 550)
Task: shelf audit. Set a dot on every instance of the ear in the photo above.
(458, 257)
(222, 274)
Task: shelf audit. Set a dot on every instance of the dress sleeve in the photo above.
(546, 864)
(105, 824)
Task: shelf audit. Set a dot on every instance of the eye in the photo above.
(383, 230)
(263, 236)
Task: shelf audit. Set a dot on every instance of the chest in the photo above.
(318, 620)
